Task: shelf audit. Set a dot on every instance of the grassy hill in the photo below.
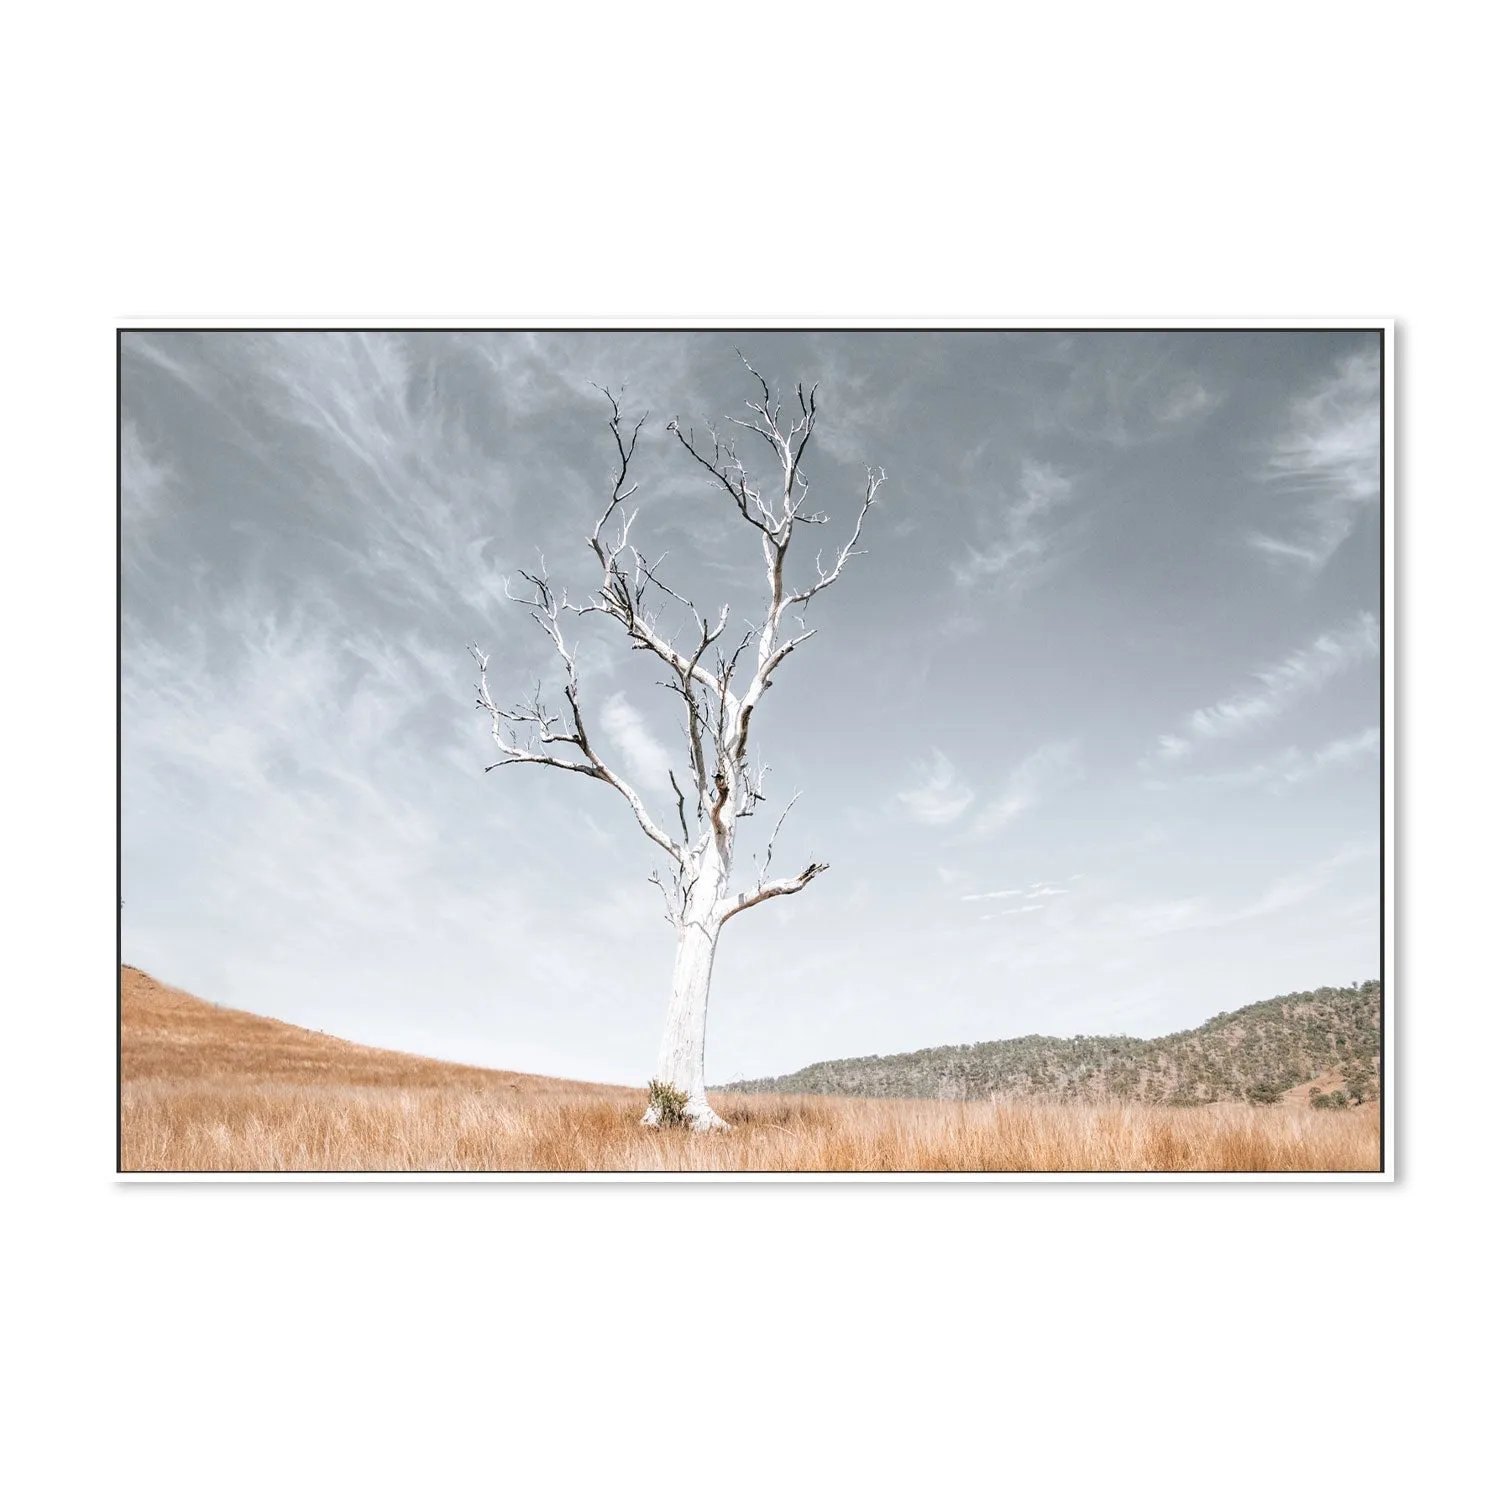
(168, 1035)
(1320, 1045)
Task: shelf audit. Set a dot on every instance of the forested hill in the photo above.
(1255, 1055)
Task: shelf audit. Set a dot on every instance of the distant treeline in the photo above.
(1252, 1055)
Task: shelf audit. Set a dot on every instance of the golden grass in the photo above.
(203, 1126)
(212, 1090)
(169, 1034)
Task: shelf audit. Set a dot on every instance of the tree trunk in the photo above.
(680, 1061)
(679, 1064)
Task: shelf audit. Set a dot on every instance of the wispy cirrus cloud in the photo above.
(1294, 765)
(1034, 897)
(1295, 889)
(1144, 920)
(145, 476)
(855, 414)
(939, 797)
(1041, 888)
(1278, 688)
(1125, 390)
(1029, 540)
(1027, 785)
(1181, 402)
(430, 495)
(1141, 921)
(146, 481)
(648, 761)
(1326, 463)
(361, 448)
(1336, 753)
(290, 746)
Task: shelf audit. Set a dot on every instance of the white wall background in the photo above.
(483, 164)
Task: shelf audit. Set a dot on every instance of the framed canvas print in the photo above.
(822, 752)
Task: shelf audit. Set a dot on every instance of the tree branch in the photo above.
(766, 891)
(620, 594)
(776, 526)
(632, 591)
(873, 480)
(544, 611)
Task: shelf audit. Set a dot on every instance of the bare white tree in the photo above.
(719, 681)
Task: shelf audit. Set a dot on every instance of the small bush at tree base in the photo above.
(1338, 1099)
(669, 1103)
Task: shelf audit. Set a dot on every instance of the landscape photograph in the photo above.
(798, 712)
(462, 832)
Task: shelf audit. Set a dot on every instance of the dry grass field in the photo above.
(209, 1090)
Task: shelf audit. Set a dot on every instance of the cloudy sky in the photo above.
(1089, 737)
